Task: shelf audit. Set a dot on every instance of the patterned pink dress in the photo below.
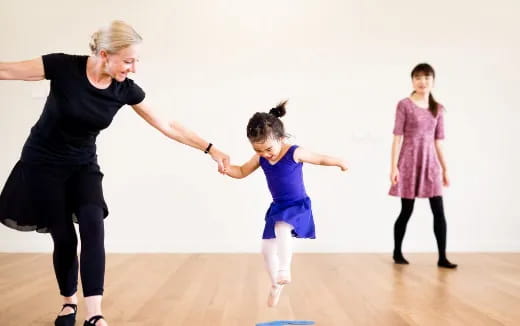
(420, 173)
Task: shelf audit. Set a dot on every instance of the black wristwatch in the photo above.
(208, 148)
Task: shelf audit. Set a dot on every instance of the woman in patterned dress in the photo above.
(418, 167)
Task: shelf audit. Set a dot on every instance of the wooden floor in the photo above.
(231, 290)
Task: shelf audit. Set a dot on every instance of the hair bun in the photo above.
(279, 111)
(94, 42)
(275, 111)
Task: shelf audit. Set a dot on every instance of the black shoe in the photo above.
(92, 321)
(67, 320)
(446, 264)
(399, 259)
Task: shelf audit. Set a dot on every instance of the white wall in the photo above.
(342, 64)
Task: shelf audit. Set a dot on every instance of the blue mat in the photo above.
(286, 322)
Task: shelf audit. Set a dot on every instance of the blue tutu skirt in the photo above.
(297, 213)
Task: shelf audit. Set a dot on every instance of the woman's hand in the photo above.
(394, 176)
(445, 179)
(221, 158)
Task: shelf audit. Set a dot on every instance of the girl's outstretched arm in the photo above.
(303, 155)
(242, 171)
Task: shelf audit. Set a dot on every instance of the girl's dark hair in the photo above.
(263, 125)
(427, 70)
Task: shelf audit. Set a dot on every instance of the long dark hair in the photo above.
(427, 70)
(263, 125)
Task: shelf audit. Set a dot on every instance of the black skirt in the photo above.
(37, 195)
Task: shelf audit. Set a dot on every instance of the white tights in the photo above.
(278, 251)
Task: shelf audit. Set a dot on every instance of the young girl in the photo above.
(290, 213)
(419, 123)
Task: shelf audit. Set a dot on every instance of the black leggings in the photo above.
(65, 259)
(439, 224)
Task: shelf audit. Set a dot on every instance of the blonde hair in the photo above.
(117, 36)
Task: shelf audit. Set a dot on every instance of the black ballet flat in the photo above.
(92, 321)
(400, 260)
(446, 264)
(67, 320)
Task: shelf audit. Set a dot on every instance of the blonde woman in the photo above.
(58, 171)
